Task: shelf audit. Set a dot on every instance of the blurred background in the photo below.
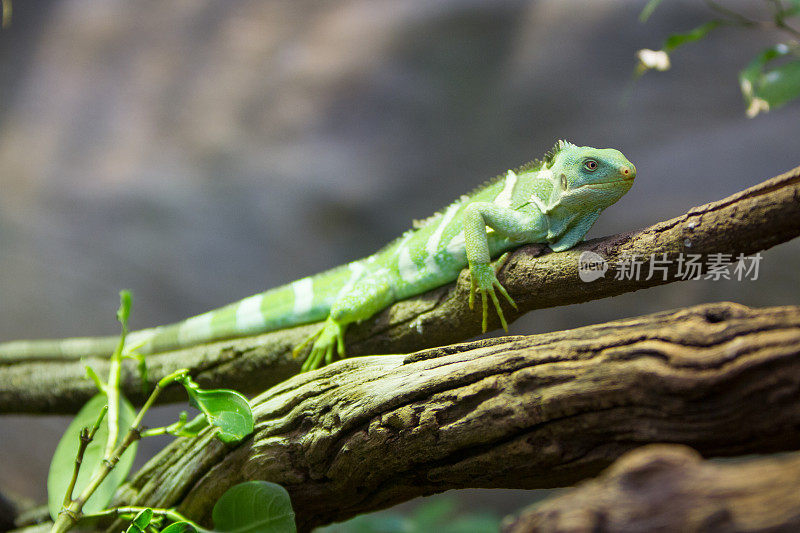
(197, 152)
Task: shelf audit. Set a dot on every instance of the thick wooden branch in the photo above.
(747, 222)
(517, 412)
(671, 488)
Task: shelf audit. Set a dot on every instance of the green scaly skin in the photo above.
(555, 200)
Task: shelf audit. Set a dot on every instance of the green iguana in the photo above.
(554, 200)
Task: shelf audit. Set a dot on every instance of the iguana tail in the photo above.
(303, 301)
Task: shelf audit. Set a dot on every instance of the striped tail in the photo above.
(73, 348)
(303, 301)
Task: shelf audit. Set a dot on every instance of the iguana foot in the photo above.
(484, 280)
(328, 346)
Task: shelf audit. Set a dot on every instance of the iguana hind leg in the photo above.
(366, 297)
(327, 342)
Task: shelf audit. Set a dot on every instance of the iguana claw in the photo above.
(328, 346)
(484, 280)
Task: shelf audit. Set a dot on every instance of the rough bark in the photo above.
(671, 488)
(746, 222)
(516, 412)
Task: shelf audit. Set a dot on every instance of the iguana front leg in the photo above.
(519, 227)
(371, 293)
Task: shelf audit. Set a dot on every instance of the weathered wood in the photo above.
(746, 222)
(671, 488)
(517, 412)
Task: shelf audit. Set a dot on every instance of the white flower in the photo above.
(757, 105)
(655, 59)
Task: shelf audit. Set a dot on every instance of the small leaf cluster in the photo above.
(97, 451)
(249, 507)
(770, 80)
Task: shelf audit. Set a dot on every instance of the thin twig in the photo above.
(781, 24)
(86, 437)
(737, 18)
(780, 18)
(72, 513)
(117, 512)
(112, 392)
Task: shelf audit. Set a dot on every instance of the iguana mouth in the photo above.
(626, 175)
(611, 182)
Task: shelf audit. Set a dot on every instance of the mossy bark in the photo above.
(517, 412)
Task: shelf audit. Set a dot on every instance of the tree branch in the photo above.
(746, 222)
(516, 412)
(670, 488)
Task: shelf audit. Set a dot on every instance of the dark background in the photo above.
(198, 152)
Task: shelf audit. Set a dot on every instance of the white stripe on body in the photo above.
(408, 270)
(249, 316)
(405, 265)
(407, 235)
(195, 330)
(139, 338)
(547, 175)
(457, 246)
(303, 290)
(78, 345)
(356, 269)
(432, 246)
(504, 198)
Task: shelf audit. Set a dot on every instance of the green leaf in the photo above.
(440, 514)
(768, 89)
(98, 382)
(648, 10)
(780, 85)
(433, 513)
(254, 507)
(63, 462)
(124, 310)
(226, 409)
(473, 524)
(141, 521)
(679, 39)
(182, 428)
(179, 527)
(792, 10)
(382, 522)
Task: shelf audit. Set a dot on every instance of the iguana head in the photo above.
(594, 177)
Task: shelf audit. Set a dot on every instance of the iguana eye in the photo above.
(564, 184)
(590, 165)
